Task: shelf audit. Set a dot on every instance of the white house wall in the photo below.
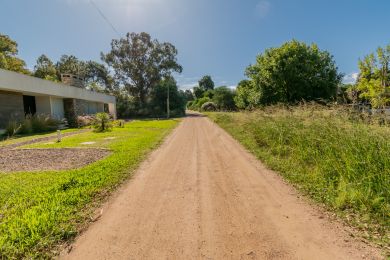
(12, 81)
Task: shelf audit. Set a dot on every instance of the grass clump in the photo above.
(102, 123)
(39, 210)
(32, 124)
(338, 161)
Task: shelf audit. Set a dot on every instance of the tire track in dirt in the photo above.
(202, 196)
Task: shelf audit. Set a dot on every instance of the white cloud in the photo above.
(185, 82)
(262, 8)
(350, 78)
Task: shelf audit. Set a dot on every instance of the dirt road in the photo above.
(202, 196)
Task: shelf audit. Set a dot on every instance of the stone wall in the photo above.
(11, 107)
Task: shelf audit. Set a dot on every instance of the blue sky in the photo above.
(216, 37)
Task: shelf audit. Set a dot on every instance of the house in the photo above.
(21, 94)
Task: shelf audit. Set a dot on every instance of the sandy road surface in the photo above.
(201, 196)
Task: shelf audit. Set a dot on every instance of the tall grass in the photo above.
(328, 153)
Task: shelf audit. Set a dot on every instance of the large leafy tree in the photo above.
(158, 98)
(70, 64)
(206, 83)
(224, 98)
(97, 76)
(247, 95)
(140, 63)
(374, 78)
(8, 56)
(45, 69)
(198, 91)
(294, 72)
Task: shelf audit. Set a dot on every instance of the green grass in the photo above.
(23, 138)
(339, 162)
(40, 210)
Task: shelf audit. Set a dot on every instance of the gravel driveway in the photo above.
(12, 160)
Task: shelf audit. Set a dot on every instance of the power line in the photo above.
(105, 18)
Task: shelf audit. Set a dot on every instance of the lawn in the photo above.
(40, 210)
(337, 161)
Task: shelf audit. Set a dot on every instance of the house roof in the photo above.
(28, 85)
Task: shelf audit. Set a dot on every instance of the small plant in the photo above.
(13, 127)
(102, 122)
(119, 123)
(32, 124)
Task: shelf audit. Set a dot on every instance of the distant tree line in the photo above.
(138, 71)
(296, 72)
(208, 98)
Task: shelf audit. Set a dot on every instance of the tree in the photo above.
(374, 78)
(8, 56)
(247, 95)
(224, 98)
(206, 83)
(294, 72)
(189, 96)
(140, 63)
(45, 69)
(69, 64)
(158, 98)
(98, 77)
(198, 92)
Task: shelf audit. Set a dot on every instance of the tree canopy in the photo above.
(374, 78)
(206, 83)
(293, 72)
(8, 56)
(45, 69)
(140, 63)
(223, 98)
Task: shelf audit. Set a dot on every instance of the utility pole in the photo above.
(168, 101)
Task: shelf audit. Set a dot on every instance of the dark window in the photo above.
(30, 107)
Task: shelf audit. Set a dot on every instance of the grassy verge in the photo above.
(338, 162)
(40, 210)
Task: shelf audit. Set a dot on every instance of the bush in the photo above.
(209, 106)
(32, 124)
(102, 122)
(42, 123)
(119, 123)
(224, 98)
(87, 120)
(12, 128)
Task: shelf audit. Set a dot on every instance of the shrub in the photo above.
(42, 123)
(102, 122)
(209, 106)
(224, 98)
(12, 128)
(119, 123)
(32, 124)
(86, 120)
